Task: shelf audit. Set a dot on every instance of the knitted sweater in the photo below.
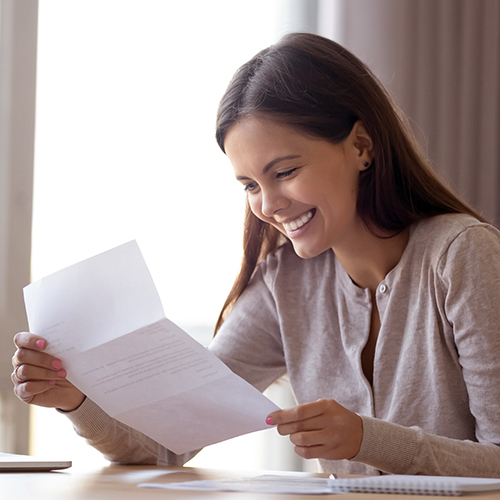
(435, 399)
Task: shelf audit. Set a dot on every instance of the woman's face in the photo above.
(303, 186)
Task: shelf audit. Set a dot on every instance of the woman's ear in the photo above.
(363, 145)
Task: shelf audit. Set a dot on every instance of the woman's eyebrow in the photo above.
(277, 160)
(270, 165)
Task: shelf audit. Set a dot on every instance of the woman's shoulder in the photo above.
(449, 223)
(446, 228)
(447, 234)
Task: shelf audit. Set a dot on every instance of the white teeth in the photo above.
(295, 224)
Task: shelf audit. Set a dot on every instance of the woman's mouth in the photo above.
(298, 222)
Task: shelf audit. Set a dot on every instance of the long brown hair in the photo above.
(316, 86)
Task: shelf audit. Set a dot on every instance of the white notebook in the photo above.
(415, 485)
(12, 463)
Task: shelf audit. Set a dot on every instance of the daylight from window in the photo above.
(127, 93)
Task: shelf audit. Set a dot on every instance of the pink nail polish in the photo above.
(52, 382)
(269, 421)
(61, 373)
(57, 364)
(40, 344)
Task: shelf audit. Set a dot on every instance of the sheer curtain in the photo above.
(441, 61)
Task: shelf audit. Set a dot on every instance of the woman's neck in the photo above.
(368, 259)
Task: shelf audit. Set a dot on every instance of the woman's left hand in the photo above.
(323, 429)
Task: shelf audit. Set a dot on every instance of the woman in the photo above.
(363, 278)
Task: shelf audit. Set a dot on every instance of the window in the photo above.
(127, 94)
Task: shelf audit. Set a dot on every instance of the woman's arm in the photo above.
(119, 442)
(396, 449)
(324, 429)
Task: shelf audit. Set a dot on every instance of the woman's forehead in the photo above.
(261, 141)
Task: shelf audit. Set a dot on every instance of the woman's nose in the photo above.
(272, 201)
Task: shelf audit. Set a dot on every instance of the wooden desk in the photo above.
(118, 482)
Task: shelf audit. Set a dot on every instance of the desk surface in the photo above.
(120, 482)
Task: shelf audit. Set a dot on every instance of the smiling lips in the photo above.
(298, 223)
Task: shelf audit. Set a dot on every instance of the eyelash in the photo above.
(287, 173)
(250, 187)
(280, 175)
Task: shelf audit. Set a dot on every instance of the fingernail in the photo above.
(40, 343)
(269, 421)
(52, 382)
(61, 373)
(57, 364)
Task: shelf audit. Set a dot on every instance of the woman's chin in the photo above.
(307, 253)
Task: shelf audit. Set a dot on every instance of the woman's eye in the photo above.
(287, 173)
(252, 186)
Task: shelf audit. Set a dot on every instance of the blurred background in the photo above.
(107, 111)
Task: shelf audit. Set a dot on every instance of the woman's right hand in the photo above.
(40, 378)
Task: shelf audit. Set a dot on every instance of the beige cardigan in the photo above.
(435, 402)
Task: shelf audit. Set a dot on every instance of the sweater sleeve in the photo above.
(395, 449)
(469, 277)
(118, 442)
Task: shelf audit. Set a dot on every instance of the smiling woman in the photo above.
(358, 304)
(364, 279)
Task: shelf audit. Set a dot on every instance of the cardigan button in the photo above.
(382, 288)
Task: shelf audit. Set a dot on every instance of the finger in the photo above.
(25, 372)
(30, 341)
(28, 390)
(340, 441)
(309, 452)
(297, 413)
(307, 425)
(29, 356)
(327, 451)
(308, 438)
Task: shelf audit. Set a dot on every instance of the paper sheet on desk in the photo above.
(104, 319)
(296, 483)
